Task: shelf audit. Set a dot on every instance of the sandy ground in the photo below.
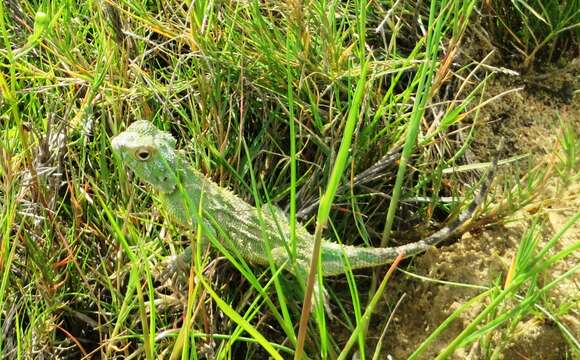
(530, 121)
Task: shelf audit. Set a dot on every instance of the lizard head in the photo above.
(150, 153)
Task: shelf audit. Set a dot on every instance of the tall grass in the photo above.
(285, 103)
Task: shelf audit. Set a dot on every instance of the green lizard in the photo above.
(151, 154)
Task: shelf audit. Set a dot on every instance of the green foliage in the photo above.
(536, 29)
(273, 99)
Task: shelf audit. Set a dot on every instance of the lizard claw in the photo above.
(172, 270)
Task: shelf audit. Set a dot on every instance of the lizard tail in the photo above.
(458, 225)
(333, 255)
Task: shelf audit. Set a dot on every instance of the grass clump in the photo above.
(535, 30)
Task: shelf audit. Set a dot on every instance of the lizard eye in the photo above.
(143, 154)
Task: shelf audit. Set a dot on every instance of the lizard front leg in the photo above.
(173, 267)
(178, 266)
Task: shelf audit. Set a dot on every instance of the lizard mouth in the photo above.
(165, 187)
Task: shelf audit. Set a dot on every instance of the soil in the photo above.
(530, 121)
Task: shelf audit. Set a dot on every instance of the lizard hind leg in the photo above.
(300, 271)
(319, 293)
(280, 257)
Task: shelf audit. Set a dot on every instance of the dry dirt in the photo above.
(530, 122)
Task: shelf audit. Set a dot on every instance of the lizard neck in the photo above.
(182, 201)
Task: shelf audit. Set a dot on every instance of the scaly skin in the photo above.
(242, 228)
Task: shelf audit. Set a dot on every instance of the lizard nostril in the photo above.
(117, 145)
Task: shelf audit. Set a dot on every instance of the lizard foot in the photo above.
(172, 272)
